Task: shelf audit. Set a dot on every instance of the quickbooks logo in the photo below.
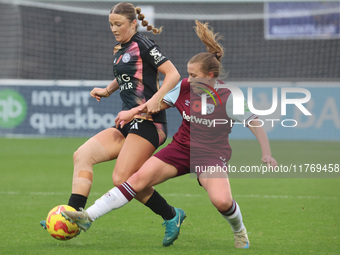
(13, 108)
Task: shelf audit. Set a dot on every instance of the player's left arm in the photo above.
(258, 131)
(170, 80)
(263, 140)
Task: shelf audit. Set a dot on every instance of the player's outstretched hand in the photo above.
(269, 160)
(98, 93)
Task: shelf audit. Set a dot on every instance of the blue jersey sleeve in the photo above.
(171, 97)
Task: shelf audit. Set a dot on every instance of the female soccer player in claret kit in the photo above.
(136, 63)
(195, 144)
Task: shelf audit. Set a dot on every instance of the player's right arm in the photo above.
(98, 93)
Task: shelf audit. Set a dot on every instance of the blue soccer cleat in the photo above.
(43, 224)
(172, 227)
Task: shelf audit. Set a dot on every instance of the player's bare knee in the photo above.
(84, 157)
(223, 203)
(139, 183)
(75, 156)
(83, 169)
(117, 179)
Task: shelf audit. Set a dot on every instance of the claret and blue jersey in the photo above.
(198, 132)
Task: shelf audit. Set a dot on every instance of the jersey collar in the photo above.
(132, 38)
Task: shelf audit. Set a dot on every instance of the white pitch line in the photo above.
(175, 195)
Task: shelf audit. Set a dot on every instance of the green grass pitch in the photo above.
(282, 215)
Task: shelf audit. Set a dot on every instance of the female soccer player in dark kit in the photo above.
(136, 63)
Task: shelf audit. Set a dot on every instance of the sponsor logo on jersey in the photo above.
(194, 119)
(124, 82)
(158, 56)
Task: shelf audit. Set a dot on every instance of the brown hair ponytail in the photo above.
(129, 11)
(211, 60)
(207, 36)
(145, 23)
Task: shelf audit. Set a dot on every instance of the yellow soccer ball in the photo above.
(58, 227)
